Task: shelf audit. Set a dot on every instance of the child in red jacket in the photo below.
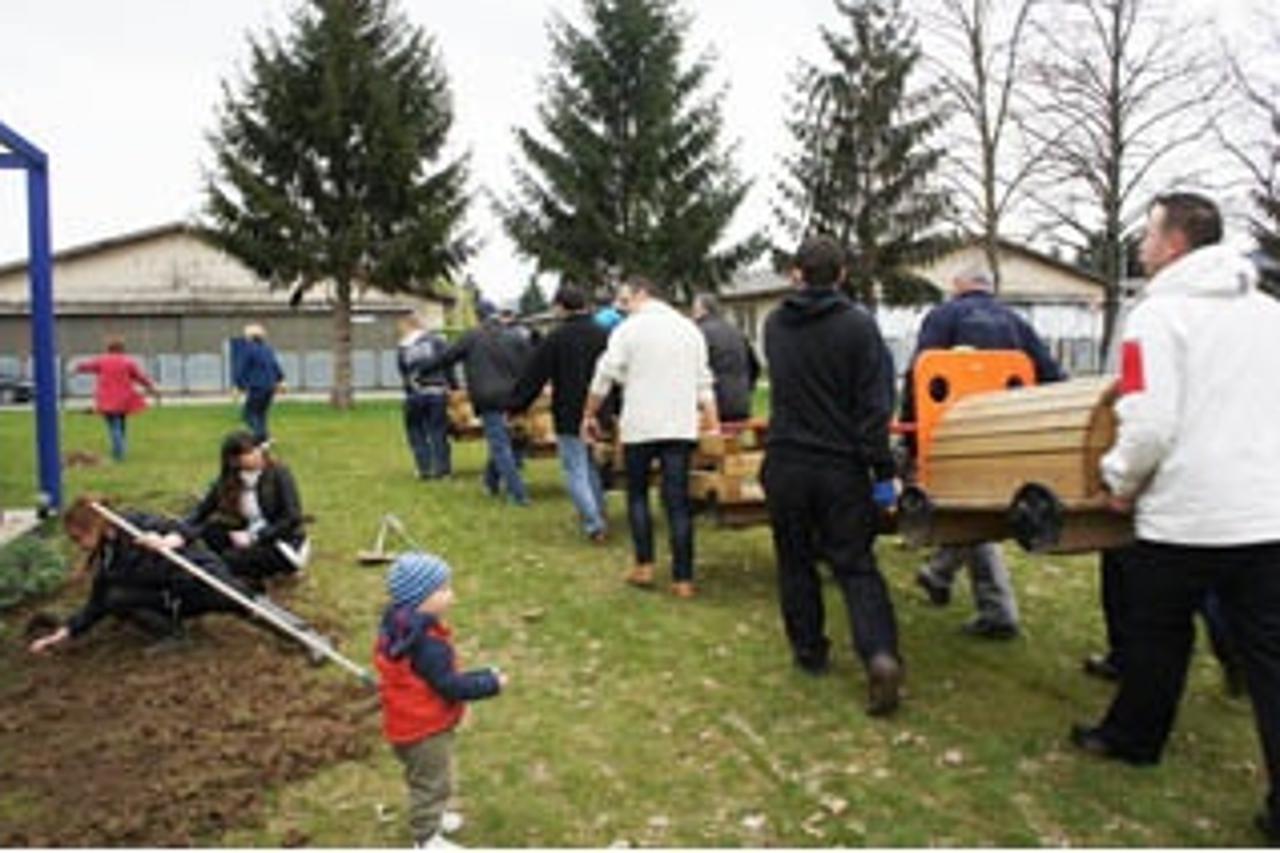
(423, 694)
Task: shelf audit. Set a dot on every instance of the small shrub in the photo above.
(29, 567)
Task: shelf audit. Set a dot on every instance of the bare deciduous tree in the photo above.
(1121, 86)
(979, 61)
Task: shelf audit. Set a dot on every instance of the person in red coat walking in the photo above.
(116, 396)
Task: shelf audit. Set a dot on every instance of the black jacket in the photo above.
(278, 500)
(827, 368)
(493, 356)
(734, 365)
(122, 563)
(567, 359)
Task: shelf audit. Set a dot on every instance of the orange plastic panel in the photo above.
(943, 377)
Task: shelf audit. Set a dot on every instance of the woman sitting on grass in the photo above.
(251, 516)
(133, 580)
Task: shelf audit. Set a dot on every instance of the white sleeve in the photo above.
(611, 367)
(1150, 397)
(706, 380)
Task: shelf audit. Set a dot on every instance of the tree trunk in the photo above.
(341, 396)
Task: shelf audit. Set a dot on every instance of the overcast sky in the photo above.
(120, 95)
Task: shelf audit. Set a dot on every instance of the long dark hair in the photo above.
(230, 486)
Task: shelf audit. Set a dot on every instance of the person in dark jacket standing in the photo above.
(258, 375)
(493, 356)
(733, 361)
(426, 398)
(422, 691)
(567, 359)
(828, 466)
(251, 516)
(132, 580)
(975, 318)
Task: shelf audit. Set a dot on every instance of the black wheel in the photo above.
(915, 516)
(1036, 517)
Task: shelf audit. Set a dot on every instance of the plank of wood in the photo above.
(984, 478)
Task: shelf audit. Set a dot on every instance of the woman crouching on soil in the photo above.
(132, 580)
(251, 516)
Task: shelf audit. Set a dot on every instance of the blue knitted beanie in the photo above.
(414, 576)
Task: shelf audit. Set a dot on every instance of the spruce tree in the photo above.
(532, 300)
(326, 162)
(864, 170)
(627, 174)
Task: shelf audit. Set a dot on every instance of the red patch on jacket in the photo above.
(1133, 379)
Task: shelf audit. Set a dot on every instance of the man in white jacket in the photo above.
(659, 358)
(1197, 460)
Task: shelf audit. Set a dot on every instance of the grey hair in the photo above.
(708, 303)
(977, 277)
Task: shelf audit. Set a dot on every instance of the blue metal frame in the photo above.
(22, 154)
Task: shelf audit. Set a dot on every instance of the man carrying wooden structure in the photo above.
(827, 467)
(975, 319)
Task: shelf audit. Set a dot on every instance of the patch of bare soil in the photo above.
(111, 741)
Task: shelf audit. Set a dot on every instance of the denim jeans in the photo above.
(503, 465)
(582, 480)
(256, 403)
(426, 425)
(116, 433)
(673, 459)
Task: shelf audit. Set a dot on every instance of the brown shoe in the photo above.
(884, 681)
(683, 589)
(641, 575)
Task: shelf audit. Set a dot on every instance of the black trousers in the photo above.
(1166, 584)
(1115, 603)
(253, 564)
(823, 510)
(174, 602)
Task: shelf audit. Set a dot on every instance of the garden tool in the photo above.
(269, 611)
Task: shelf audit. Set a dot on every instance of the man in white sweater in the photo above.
(1197, 460)
(660, 359)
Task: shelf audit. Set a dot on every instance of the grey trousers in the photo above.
(992, 590)
(428, 770)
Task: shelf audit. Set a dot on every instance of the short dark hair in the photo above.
(641, 284)
(1192, 214)
(708, 303)
(820, 261)
(570, 297)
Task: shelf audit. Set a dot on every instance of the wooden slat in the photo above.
(743, 464)
(1069, 419)
(1010, 444)
(978, 478)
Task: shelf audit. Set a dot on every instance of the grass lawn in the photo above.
(635, 717)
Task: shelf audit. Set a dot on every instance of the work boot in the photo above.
(884, 683)
(641, 575)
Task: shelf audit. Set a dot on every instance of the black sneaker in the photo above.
(1089, 739)
(939, 594)
(989, 630)
(1101, 666)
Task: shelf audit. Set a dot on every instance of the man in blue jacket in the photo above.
(258, 375)
(974, 318)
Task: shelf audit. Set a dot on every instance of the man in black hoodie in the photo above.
(567, 359)
(828, 466)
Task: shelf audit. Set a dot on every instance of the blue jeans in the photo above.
(116, 432)
(582, 480)
(503, 465)
(256, 403)
(426, 424)
(673, 459)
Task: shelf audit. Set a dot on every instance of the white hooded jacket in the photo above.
(1199, 434)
